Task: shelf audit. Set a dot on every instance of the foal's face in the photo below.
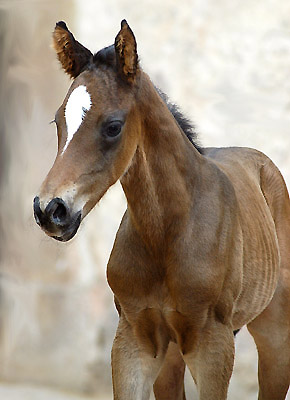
(97, 129)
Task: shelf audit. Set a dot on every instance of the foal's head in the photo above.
(97, 129)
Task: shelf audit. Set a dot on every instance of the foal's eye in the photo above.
(113, 129)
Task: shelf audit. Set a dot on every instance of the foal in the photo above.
(203, 247)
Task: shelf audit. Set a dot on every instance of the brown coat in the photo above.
(203, 247)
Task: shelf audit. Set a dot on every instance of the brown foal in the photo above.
(204, 246)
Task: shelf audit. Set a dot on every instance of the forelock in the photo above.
(105, 57)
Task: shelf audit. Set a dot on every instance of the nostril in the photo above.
(60, 213)
(57, 211)
(38, 214)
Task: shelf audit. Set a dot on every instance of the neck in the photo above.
(159, 185)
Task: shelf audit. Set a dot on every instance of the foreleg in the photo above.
(211, 361)
(170, 382)
(133, 369)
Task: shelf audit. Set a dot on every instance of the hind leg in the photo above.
(170, 382)
(271, 332)
(271, 329)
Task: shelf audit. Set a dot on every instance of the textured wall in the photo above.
(226, 63)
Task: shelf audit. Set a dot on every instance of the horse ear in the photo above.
(72, 55)
(126, 53)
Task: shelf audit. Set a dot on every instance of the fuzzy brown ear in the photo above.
(72, 55)
(126, 53)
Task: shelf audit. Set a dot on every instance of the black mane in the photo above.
(106, 57)
(184, 123)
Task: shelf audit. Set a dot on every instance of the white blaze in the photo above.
(78, 103)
